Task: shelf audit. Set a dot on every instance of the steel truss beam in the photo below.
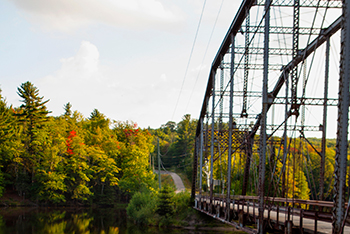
(239, 93)
(304, 3)
(260, 51)
(282, 30)
(252, 66)
(307, 101)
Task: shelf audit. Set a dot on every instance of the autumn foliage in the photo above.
(70, 158)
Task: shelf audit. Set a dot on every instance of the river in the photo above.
(77, 221)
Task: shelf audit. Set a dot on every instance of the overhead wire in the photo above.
(205, 54)
(189, 59)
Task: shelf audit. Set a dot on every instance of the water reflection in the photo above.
(77, 221)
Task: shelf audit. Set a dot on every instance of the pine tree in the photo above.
(165, 201)
(67, 109)
(33, 115)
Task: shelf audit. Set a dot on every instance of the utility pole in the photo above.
(160, 185)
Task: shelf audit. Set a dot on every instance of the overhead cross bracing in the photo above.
(278, 78)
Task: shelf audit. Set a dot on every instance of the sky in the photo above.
(128, 59)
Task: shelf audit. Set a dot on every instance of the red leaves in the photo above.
(131, 132)
(69, 142)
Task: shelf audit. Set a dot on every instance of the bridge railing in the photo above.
(311, 209)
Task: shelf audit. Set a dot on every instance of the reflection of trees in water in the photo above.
(64, 221)
(84, 221)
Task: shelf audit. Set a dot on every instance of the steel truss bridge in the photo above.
(280, 76)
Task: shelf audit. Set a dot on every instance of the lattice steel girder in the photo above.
(304, 3)
(294, 71)
(276, 67)
(260, 51)
(307, 101)
(283, 30)
(235, 115)
(238, 93)
(271, 127)
(222, 137)
(246, 67)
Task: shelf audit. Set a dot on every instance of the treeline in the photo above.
(176, 145)
(69, 158)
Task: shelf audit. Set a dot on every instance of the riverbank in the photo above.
(11, 199)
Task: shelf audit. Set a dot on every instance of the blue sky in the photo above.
(125, 58)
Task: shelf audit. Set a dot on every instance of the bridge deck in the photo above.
(305, 220)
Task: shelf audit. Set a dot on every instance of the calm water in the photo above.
(77, 221)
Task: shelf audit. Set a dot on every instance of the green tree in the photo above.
(6, 133)
(135, 147)
(33, 116)
(142, 207)
(165, 205)
(68, 110)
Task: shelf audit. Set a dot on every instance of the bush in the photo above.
(182, 202)
(142, 207)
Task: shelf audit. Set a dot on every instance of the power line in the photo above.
(205, 54)
(189, 60)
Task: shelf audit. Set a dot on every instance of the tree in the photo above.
(103, 150)
(165, 201)
(6, 133)
(67, 110)
(133, 161)
(33, 116)
(34, 113)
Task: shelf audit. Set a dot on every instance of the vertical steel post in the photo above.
(324, 127)
(285, 144)
(201, 158)
(222, 75)
(248, 152)
(262, 150)
(342, 126)
(246, 69)
(294, 72)
(212, 140)
(230, 131)
(195, 168)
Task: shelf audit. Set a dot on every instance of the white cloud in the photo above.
(68, 15)
(123, 93)
(81, 80)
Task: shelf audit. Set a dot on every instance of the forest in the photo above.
(70, 159)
